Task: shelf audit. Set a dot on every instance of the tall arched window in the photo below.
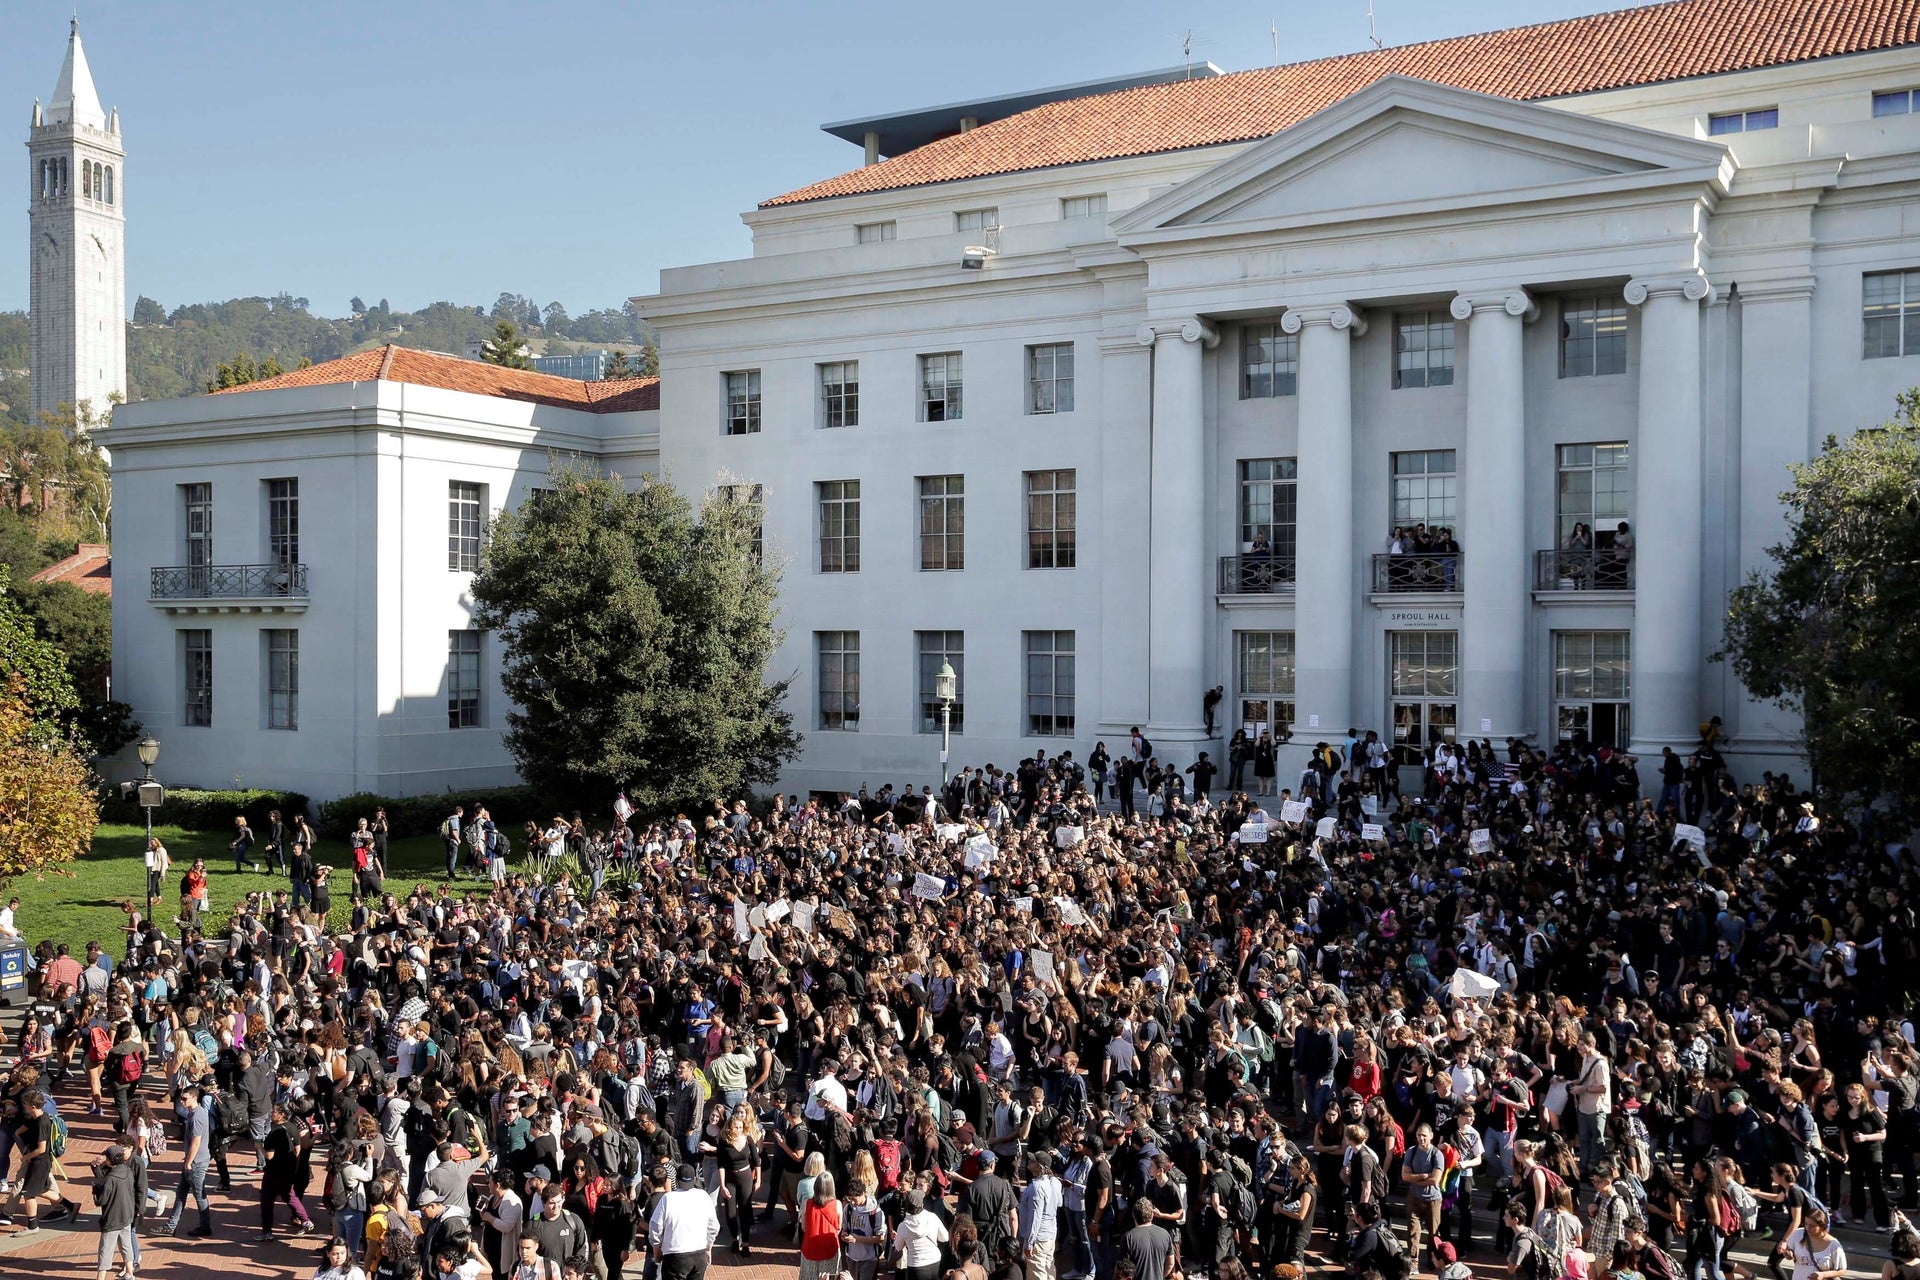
(108, 173)
(86, 179)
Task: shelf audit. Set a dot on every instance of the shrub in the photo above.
(422, 815)
(196, 810)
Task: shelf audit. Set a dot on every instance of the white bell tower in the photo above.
(77, 219)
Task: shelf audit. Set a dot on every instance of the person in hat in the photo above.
(682, 1228)
(119, 1202)
(994, 1208)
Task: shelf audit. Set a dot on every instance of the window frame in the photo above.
(196, 515)
(1249, 691)
(949, 647)
(1091, 205)
(950, 537)
(1052, 517)
(845, 652)
(839, 399)
(1902, 321)
(1050, 391)
(952, 380)
(1426, 496)
(740, 402)
(1622, 469)
(755, 496)
(196, 677)
(1578, 685)
(833, 511)
(1905, 97)
(1046, 647)
(1278, 367)
(466, 524)
(984, 218)
(1606, 332)
(283, 521)
(1724, 124)
(282, 660)
(1429, 323)
(1249, 485)
(464, 659)
(885, 232)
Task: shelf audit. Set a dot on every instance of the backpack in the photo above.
(886, 1163)
(230, 1117)
(400, 1247)
(1540, 1263)
(58, 1141)
(203, 1041)
(776, 1074)
(99, 1044)
(1745, 1204)
(1729, 1217)
(1393, 1263)
(132, 1067)
(1242, 1208)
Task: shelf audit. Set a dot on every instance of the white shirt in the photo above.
(684, 1222)
(829, 1092)
(918, 1238)
(7, 929)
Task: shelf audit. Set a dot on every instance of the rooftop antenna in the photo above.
(1273, 29)
(1188, 48)
(1373, 33)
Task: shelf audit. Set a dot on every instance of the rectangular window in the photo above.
(197, 510)
(935, 648)
(1084, 207)
(943, 522)
(940, 387)
(1591, 494)
(283, 679)
(1049, 684)
(463, 679)
(743, 402)
(1050, 378)
(875, 232)
(1269, 498)
(756, 499)
(197, 651)
(1897, 102)
(1593, 336)
(840, 394)
(839, 679)
(466, 504)
(1264, 677)
(839, 502)
(976, 219)
(1269, 362)
(1743, 121)
(1593, 686)
(1424, 488)
(283, 522)
(1423, 349)
(1890, 310)
(1051, 498)
(1424, 679)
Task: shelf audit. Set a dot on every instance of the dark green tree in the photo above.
(1831, 631)
(618, 367)
(148, 311)
(79, 624)
(357, 306)
(554, 316)
(505, 348)
(635, 637)
(241, 370)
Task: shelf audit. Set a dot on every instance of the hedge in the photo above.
(422, 815)
(196, 810)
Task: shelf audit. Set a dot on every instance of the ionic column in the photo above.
(1493, 570)
(1667, 648)
(1180, 590)
(1325, 586)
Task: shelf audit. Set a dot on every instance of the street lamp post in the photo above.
(151, 795)
(944, 685)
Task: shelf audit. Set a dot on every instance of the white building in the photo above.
(77, 221)
(1028, 397)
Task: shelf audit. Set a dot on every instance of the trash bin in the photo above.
(13, 969)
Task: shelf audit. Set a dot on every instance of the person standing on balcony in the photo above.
(1448, 549)
(1239, 751)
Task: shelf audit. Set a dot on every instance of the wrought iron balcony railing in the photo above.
(1251, 575)
(1416, 573)
(229, 582)
(1607, 569)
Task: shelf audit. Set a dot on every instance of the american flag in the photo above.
(1502, 772)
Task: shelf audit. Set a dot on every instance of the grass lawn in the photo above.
(88, 905)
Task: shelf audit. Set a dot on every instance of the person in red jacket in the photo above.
(821, 1222)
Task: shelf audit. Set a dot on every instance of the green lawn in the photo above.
(88, 905)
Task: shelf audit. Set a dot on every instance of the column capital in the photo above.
(1192, 329)
(1515, 302)
(1692, 285)
(1341, 317)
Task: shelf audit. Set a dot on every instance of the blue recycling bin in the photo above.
(13, 968)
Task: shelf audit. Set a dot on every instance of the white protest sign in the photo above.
(1068, 837)
(1466, 984)
(1480, 840)
(1692, 835)
(1070, 912)
(1293, 811)
(1042, 965)
(979, 851)
(779, 911)
(742, 929)
(1371, 831)
(926, 886)
(1370, 804)
(757, 917)
(803, 916)
(1253, 833)
(896, 843)
(1023, 904)
(757, 949)
(1323, 829)
(950, 831)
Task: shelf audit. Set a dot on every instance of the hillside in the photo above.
(175, 353)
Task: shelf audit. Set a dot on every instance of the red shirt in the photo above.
(820, 1230)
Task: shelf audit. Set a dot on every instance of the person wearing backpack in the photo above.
(125, 1067)
(1531, 1258)
(393, 1234)
(39, 1141)
(198, 1124)
(1712, 1222)
(1421, 1170)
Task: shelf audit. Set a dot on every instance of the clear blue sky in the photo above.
(420, 151)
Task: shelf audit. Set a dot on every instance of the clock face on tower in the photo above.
(49, 245)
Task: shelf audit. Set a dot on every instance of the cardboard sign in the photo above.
(926, 886)
(1480, 840)
(1372, 831)
(1253, 833)
(803, 916)
(1070, 912)
(1324, 828)
(1692, 835)
(1370, 804)
(757, 917)
(1041, 963)
(1023, 904)
(1293, 811)
(742, 927)
(979, 851)
(779, 911)
(950, 831)
(1468, 985)
(1068, 837)
(757, 949)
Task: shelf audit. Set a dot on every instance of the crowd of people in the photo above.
(999, 1030)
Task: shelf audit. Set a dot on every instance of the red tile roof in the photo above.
(89, 568)
(1628, 47)
(450, 373)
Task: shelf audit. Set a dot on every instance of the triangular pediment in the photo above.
(1403, 145)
